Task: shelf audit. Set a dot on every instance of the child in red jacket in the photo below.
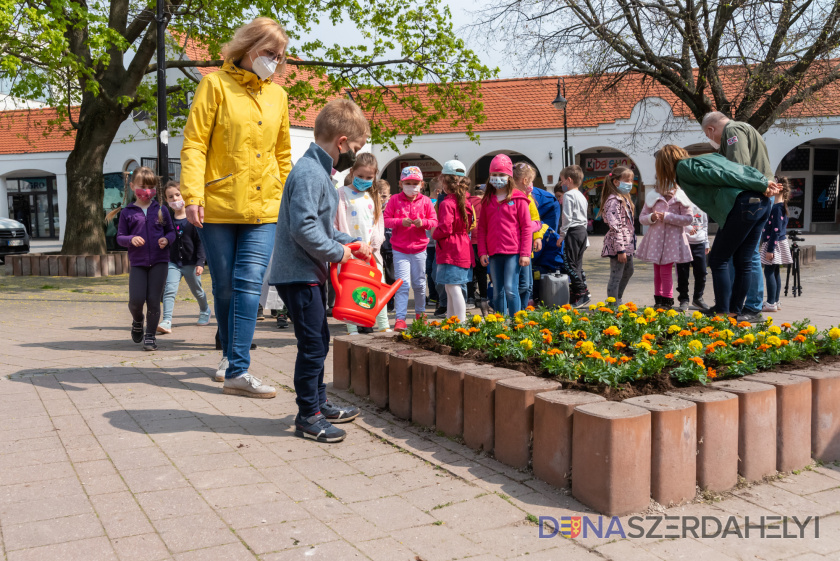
(454, 256)
(504, 234)
(409, 214)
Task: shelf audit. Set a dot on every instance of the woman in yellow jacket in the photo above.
(235, 159)
(523, 179)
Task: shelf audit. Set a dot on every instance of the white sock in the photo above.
(455, 305)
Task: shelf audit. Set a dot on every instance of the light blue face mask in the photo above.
(361, 184)
(624, 188)
(497, 182)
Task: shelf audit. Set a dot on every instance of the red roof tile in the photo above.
(34, 130)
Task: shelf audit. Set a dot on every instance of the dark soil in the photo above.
(658, 384)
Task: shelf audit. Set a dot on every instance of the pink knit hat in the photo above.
(411, 172)
(501, 164)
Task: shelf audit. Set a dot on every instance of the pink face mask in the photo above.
(177, 205)
(144, 194)
(529, 188)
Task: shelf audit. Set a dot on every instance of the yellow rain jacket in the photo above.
(237, 149)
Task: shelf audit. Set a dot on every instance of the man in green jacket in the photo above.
(740, 143)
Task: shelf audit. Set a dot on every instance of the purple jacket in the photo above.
(134, 223)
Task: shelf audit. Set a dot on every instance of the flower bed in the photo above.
(622, 351)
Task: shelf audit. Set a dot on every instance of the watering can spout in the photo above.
(388, 295)
(360, 292)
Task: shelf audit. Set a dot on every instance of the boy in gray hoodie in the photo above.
(305, 243)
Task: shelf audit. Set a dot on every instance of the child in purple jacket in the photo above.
(146, 230)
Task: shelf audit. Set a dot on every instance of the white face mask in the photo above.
(264, 67)
(411, 190)
(177, 205)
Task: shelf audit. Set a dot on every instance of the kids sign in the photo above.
(603, 165)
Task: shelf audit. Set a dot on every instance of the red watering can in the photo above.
(359, 291)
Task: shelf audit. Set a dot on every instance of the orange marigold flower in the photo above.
(786, 326)
(529, 308)
(554, 352)
(717, 318)
(545, 331)
(619, 345)
(474, 330)
(611, 331)
(649, 337)
(435, 324)
(610, 359)
(799, 339)
(733, 321)
(580, 334)
(462, 331)
(605, 310)
(670, 356)
(708, 329)
(532, 324)
(660, 311)
(804, 332)
(584, 319)
(711, 372)
(566, 306)
(619, 314)
(625, 359)
(578, 344)
(698, 361)
(652, 352)
(595, 354)
(710, 348)
(684, 333)
(744, 324)
(785, 342)
(445, 328)
(763, 347)
(737, 342)
(547, 338)
(503, 337)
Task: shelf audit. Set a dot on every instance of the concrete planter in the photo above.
(615, 456)
(38, 265)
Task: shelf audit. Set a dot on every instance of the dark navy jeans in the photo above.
(307, 305)
(737, 240)
(238, 256)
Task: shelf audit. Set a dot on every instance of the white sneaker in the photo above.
(768, 307)
(248, 386)
(220, 371)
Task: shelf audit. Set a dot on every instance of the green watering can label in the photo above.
(364, 297)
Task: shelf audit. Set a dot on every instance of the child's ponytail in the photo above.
(458, 187)
(785, 192)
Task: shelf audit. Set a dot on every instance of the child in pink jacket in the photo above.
(667, 211)
(409, 214)
(454, 255)
(504, 235)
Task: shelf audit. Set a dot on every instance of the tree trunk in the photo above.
(84, 233)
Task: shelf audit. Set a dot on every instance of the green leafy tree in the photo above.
(93, 61)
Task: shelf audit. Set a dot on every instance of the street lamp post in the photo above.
(162, 20)
(560, 103)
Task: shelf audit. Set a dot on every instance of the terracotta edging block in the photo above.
(17, 265)
(52, 265)
(825, 413)
(341, 362)
(359, 384)
(44, 267)
(449, 396)
(611, 454)
(378, 360)
(118, 266)
(553, 421)
(673, 447)
(756, 426)
(480, 405)
(793, 418)
(423, 392)
(25, 266)
(717, 436)
(35, 265)
(399, 380)
(515, 418)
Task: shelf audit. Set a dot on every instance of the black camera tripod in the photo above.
(796, 289)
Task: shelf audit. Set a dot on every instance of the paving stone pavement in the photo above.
(107, 452)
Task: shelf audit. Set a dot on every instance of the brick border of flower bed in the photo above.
(696, 435)
(40, 265)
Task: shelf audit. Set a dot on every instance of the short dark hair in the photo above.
(575, 173)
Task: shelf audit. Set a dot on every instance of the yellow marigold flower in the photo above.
(587, 347)
(695, 345)
(503, 337)
(641, 321)
(725, 334)
(476, 319)
(490, 318)
(643, 345)
(610, 299)
(749, 338)
(526, 344)
(811, 329)
(775, 341)
(612, 331)
(521, 314)
(623, 308)
(775, 330)
(546, 316)
(834, 333)
(696, 315)
(672, 313)
(406, 336)
(650, 312)
(567, 319)
(761, 335)
(674, 329)
(632, 315)
(592, 307)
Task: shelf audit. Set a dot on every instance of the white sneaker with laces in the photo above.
(248, 386)
(768, 307)
(220, 371)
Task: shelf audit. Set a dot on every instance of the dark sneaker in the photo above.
(282, 321)
(336, 414)
(149, 343)
(365, 330)
(260, 314)
(440, 312)
(318, 428)
(137, 331)
(584, 300)
(752, 317)
(683, 307)
(700, 304)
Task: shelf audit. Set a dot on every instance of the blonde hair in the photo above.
(523, 171)
(666, 167)
(341, 117)
(608, 188)
(575, 173)
(259, 34)
(366, 159)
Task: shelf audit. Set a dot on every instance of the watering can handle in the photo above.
(334, 268)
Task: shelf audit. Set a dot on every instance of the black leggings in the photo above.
(479, 278)
(145, 286)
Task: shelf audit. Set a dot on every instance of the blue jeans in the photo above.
(737, 240)
(307, 307)
(504, 272)
(238, 256)
(173, 280)
(526, 284)
(773, 276)
(755, 293)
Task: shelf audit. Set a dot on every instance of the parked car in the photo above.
(13, 238)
